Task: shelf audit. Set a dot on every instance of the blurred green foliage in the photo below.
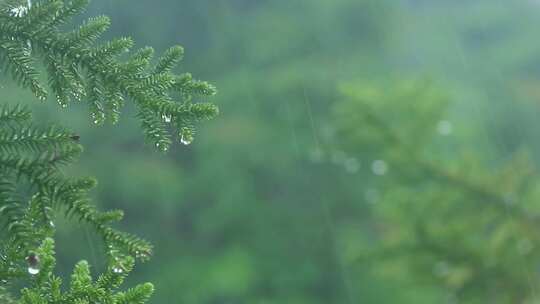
(442, 216)
(277, 200)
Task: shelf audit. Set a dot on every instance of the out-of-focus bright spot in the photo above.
(316, 155)
(352, 165)
(338, 157)
(379, 167)
(372, 195)
(525, 246)
(441, 269)
(328, 132)
(444, 127)
(509, 199)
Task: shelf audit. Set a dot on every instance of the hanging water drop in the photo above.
(166, 118)
(186, 136)
(33, 264)
(18, 11)
(162, 147)
(186, 140)
(33, 270)
(98, 117)
(141, 255)
(117, 270)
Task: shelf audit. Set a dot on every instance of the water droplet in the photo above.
(117, 270)
(33, 270)
(33, 263)
(51, 224)
(379, 167)
(18, 11)
(166, 118)
(162, 147)
(186, 136)
(98, 117)
(186, 140)
(444, 127)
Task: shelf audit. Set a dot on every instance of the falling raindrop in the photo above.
(379, 167)
(444, 127)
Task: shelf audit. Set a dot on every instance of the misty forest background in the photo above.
(367, 151)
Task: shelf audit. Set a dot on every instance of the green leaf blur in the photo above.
(366, 151)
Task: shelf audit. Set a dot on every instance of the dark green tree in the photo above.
(33, 188)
